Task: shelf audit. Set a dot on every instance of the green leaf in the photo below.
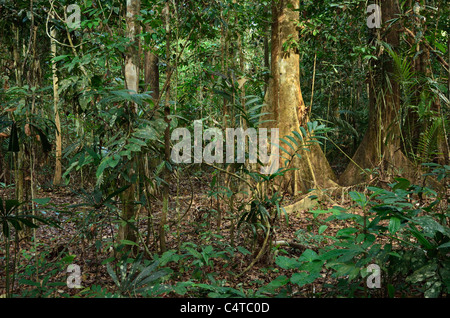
(151, 279)
(27, 223)
(128, 242)
(103, 165)
(423, 273)
(308, 256)
(278, 282)
(433, 289)
(296, 134)
(10, 205)
(430, 226)
(402, 184)
(137, 141)
(68, 259)
(14, 139)
(445, 245)
(293, 140)
(287, 262)
(42, 201)
(112, 274)
(333, 254)
(243, 250)
(180, 288)
(391, 291)
(108, 260)
(346, 233)
(146, 133)
(114, 161)
(303, 278)
(59, 58)
(29, 282)
(359, 198)
(322, 228)
(283, 149)
(394, 225)
(133, 147)
(5, 229)
(194, 253)
(347, 270)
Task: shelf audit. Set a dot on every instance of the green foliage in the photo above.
(407, 215)
(42, 279)
(221, 77)
(201, 260)
(261, 213)
(302, 140)
(137, 277)
(11, 218)
(426, 147)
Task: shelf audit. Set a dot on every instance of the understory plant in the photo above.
(403, 230)
(13, 222)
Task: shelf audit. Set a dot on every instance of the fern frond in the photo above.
(428, 141)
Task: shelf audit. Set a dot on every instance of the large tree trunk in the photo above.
(381, 145)
(285, 103)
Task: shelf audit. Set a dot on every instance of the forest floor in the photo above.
(84, 232)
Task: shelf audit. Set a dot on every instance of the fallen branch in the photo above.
(292, 244)
(307, 202)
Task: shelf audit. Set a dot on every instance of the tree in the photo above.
(381, 145)
(58, 150)
(284, 100)
(425, 134)
(151, 70)
(126, 232)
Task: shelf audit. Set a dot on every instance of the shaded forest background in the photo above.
(87, 177)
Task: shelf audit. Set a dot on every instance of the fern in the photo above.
(404, 74)
(302, 140)
(428, 141)
(253, 113)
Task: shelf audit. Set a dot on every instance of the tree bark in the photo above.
(285, 103)
(126, 232)
(381, 145)
(165, 210)
(58, 149)
(423, 70)
(151, 71)
(132, 54)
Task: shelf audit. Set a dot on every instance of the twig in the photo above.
(313, 84)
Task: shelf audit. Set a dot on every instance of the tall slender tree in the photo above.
(58, 153)
(131, 68)
(151, 70)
